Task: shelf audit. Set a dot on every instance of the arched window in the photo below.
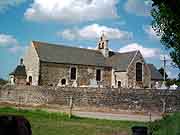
(73, 73)
(138, 71)
(63, 82)
(119, 84)
(101, 45)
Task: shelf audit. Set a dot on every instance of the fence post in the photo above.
(163, 100)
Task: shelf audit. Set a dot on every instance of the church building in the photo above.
(58, 65)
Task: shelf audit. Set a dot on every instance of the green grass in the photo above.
(169, 125)
(44, 123)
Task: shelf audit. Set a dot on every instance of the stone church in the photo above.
(58, 65)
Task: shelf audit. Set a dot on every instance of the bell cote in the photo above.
(103, 45)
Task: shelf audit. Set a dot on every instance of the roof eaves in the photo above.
(76, 64)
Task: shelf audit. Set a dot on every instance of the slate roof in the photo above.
(73, 55)
(121, 61)
(155, 74)
(68, 55)
(19, 71)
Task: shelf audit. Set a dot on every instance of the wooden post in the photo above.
(19, 103)
(163, 100)
(70, 106)
(150, 117)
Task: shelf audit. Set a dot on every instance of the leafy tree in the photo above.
(2, 81)
(170, 82)
(166, 23)
(161, 70)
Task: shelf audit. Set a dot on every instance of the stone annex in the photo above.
(57, 65)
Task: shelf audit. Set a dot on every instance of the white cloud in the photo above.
(5, 4)
(139, 7)
(151, 33)
(94, 31)
(146, 52)
(71, 10)
(9, 42)
(17, 48)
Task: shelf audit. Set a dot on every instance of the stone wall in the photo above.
(114, 99)
(122, 77)
(52, 74)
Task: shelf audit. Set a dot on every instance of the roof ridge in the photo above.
(68, 46)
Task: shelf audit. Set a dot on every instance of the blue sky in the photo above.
(127, 24)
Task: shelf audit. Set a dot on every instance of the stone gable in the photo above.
(32, 64)
(132, 83)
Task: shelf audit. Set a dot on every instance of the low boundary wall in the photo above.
(137, 100)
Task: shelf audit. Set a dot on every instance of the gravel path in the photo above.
(110, 116)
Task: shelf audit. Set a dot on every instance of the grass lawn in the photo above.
(44, 123)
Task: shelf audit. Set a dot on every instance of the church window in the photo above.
(73, 73)
(63, 82)
(98, 75)
(138, 71)
(119, 84)
(99, 45)
(102, 45)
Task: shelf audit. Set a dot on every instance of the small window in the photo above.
(119, 84)
(98, 75)
(63, 82)
(102, 45)
(73, 73)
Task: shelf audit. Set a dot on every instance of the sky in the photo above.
(79, 23)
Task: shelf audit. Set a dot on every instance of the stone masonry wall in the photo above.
(52, 74)
(31, 62)
(114, 99)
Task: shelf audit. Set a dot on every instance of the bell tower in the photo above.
(103, 45)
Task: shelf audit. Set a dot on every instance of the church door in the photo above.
(30, 80)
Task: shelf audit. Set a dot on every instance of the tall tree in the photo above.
(166, 23)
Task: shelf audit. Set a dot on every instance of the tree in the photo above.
(2, 81)
(161, 70)
(166, 23)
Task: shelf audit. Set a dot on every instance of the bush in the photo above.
(169, 125)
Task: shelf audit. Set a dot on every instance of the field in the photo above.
(45, 123)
